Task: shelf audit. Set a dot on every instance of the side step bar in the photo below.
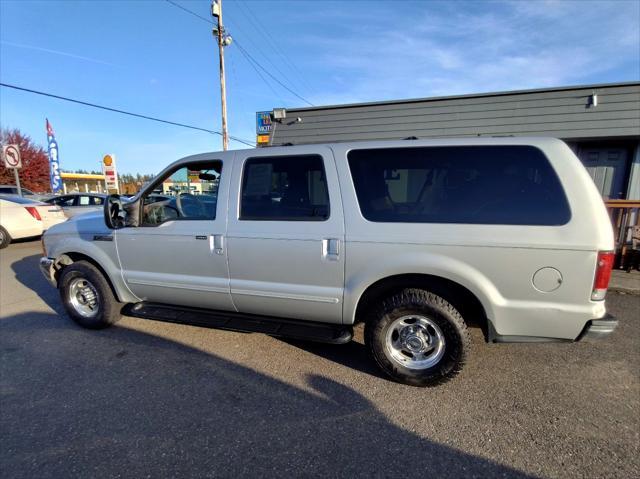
(290, 328)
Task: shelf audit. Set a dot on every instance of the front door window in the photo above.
(189, 193)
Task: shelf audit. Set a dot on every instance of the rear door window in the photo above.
(510, 185)
(284, 188)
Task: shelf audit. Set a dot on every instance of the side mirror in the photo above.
(114, 214)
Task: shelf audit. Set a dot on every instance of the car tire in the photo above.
(88, 297)
(417, 338)
(5, 238)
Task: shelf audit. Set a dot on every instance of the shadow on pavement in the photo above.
(120, 402)
(27, 271)
(353, 355)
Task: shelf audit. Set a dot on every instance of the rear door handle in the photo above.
(216, 243)
(331, 249)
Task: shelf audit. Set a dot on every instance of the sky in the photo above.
(153, 58)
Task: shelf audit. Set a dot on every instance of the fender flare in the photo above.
(102, 260)
(422, 264)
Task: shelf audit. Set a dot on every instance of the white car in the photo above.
(75, 204)
(24, 218)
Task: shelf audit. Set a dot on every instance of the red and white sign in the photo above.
(110, 173)
(11, 156)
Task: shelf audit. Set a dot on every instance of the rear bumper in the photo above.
(598, 328)
(46, 266)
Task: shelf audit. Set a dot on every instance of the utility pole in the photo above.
(223, 41)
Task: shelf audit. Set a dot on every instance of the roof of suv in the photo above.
(471, 141)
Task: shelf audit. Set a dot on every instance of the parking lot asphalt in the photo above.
(152, 399)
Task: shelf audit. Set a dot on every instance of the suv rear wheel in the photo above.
(417, 338)
(87, 296)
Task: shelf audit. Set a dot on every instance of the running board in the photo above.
(250, 323)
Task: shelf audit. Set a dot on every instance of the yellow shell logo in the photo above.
(107, 160)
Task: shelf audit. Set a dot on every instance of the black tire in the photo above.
(453, 329)
(107, 308)
(5, 238)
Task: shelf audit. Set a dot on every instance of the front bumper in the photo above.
(598, 328)
(46, 266)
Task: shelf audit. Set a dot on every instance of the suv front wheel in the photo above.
(417, 338)
(87, 296)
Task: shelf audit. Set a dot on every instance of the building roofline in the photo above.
(469, 95)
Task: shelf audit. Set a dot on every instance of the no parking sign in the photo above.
(11, 156)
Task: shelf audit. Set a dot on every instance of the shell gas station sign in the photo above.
(110, 173)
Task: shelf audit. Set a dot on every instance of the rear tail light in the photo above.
(603, 275)
(33, 211)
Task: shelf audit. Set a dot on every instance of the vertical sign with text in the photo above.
(54, 162)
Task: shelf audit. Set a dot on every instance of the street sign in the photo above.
(110, 173)
(263, 122)
(12, 159)
(11, 156)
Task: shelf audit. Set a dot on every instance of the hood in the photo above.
(91, 223)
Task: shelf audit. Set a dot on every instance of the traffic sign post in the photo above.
(12, 159)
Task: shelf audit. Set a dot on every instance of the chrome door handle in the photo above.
(331, 249)
(217, 244)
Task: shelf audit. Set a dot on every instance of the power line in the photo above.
(258, 28)
(275, 93)
(123, 112)
(190, 11)
(292, 66)
(246, 54)
(271, 75)
(237, 27)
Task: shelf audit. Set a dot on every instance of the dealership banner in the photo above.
(54, 162)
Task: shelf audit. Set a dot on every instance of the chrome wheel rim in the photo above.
(83, 297)
(415, 342)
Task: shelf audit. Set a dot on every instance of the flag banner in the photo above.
(54, 163)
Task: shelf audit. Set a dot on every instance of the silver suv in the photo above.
(416, 239)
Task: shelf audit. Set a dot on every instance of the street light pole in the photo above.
(216, 11)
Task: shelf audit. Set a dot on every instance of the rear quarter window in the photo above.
(501, 185)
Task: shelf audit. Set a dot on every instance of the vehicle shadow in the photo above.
(27, 272)
(120, 402)
(353, 355)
